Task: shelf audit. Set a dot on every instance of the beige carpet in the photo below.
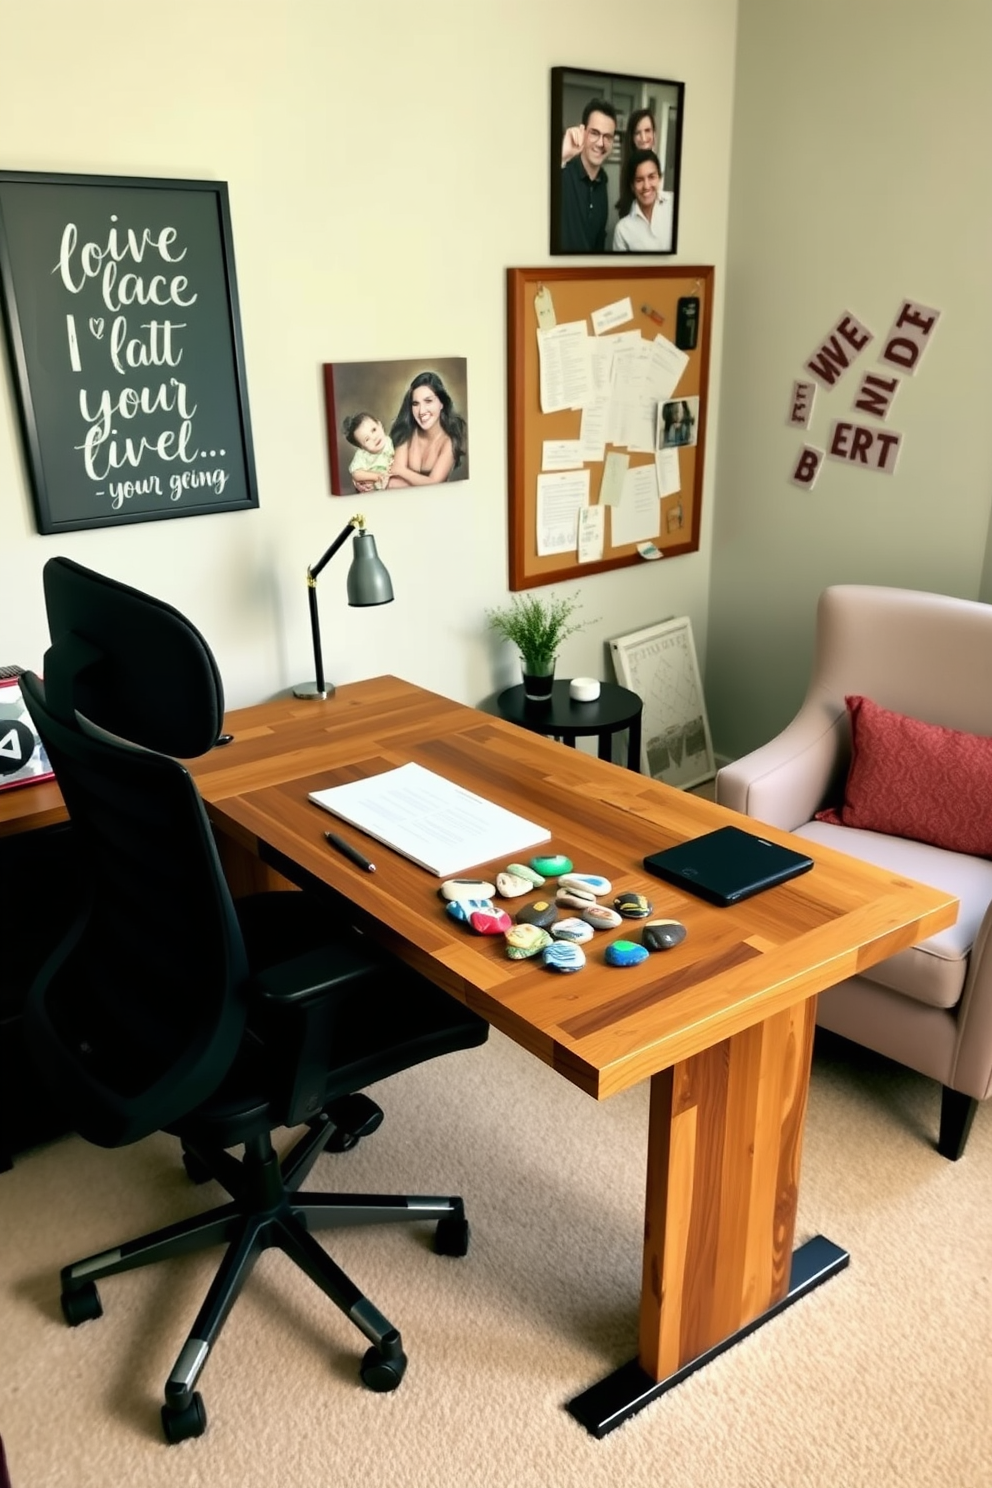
(881, 1377)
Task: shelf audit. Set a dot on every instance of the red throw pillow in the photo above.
(919, 780)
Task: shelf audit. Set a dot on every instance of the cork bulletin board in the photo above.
(555, 464)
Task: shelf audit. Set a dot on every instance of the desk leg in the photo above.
(724, 1150)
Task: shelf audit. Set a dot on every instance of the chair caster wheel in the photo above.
(181, 1423)
(354, 1117)
(382, 1374)
(342, 1141)
(196, 1171)
(451, 1237)
(82, 1304)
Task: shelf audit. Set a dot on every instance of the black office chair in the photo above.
(170, 1007)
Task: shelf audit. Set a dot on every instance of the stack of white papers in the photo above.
(438, 825)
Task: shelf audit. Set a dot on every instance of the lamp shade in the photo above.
(368, 579)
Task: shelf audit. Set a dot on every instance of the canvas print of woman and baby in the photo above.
(396, 425)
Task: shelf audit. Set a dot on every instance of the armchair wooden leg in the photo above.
(957, 1112)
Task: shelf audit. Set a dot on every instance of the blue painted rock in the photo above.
(525, 940)
(601, 917)
(460, 909)
(490, 921)
(625, 953)
(662, 935)
(467, 888)
(512, 885)
(564, 956)
(523, 870)
(632, 906)
(594, 882)
(551, 865)
(538, 912)
(572, 929)
(575, 898)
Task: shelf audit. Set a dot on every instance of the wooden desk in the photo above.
(722, 1026)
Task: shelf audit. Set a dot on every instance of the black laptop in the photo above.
(727, 865)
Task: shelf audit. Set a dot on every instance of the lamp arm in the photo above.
(357, 523)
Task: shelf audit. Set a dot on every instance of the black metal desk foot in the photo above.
(606, 1405)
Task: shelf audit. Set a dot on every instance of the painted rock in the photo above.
(633, 906)
(594, 882)
(551, 865)
(461, 909)
(467, 888)
(625, 953)
(662, 935)
(512, 885)
(522, 870)
(572, 929)
(601, 917)
(539, 912)
(525, 940)
(490, 921)
(564, 956)
(575, 898)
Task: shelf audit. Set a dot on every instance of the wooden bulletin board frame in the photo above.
(575, 294)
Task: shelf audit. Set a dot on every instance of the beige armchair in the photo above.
(930, 657)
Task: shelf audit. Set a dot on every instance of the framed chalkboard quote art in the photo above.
(121, 312)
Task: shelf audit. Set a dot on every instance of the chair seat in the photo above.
(934, 971)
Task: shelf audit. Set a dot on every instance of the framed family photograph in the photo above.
(396, 425)
(616, 154)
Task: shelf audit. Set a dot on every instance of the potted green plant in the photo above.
(537, 627)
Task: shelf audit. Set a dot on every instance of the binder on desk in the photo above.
(438, 825)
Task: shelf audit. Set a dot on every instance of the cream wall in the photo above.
(386, 163)
(858, 176)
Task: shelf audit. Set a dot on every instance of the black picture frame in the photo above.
(120, 306)
(578, 222)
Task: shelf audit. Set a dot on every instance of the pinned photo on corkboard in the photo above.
(396, 425)
(616, 159)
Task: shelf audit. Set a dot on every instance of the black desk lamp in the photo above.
(368, 584)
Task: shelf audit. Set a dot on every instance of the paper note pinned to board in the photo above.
(612, 315)
(545, 309)
(614, 475)
(666, 463)
(559, 500)
(561, 454)
(638, 517)
(564, 366)
(591, 527)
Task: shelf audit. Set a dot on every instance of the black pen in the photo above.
(349, 851)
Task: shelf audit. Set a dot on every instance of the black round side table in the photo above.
(563, 718)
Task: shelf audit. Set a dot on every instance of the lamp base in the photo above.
(309, 690)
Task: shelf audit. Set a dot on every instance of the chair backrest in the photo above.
(926, 655)
(138, 1013)
(129, 662)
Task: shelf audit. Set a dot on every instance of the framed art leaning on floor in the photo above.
(659, 664)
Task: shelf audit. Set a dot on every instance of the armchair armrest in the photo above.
(788, 779)
(972, 1068)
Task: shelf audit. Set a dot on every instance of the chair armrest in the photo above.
(788, 779)
(298, 1004)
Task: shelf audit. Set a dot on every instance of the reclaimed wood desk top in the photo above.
(722, 1025)
(603, 1028)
